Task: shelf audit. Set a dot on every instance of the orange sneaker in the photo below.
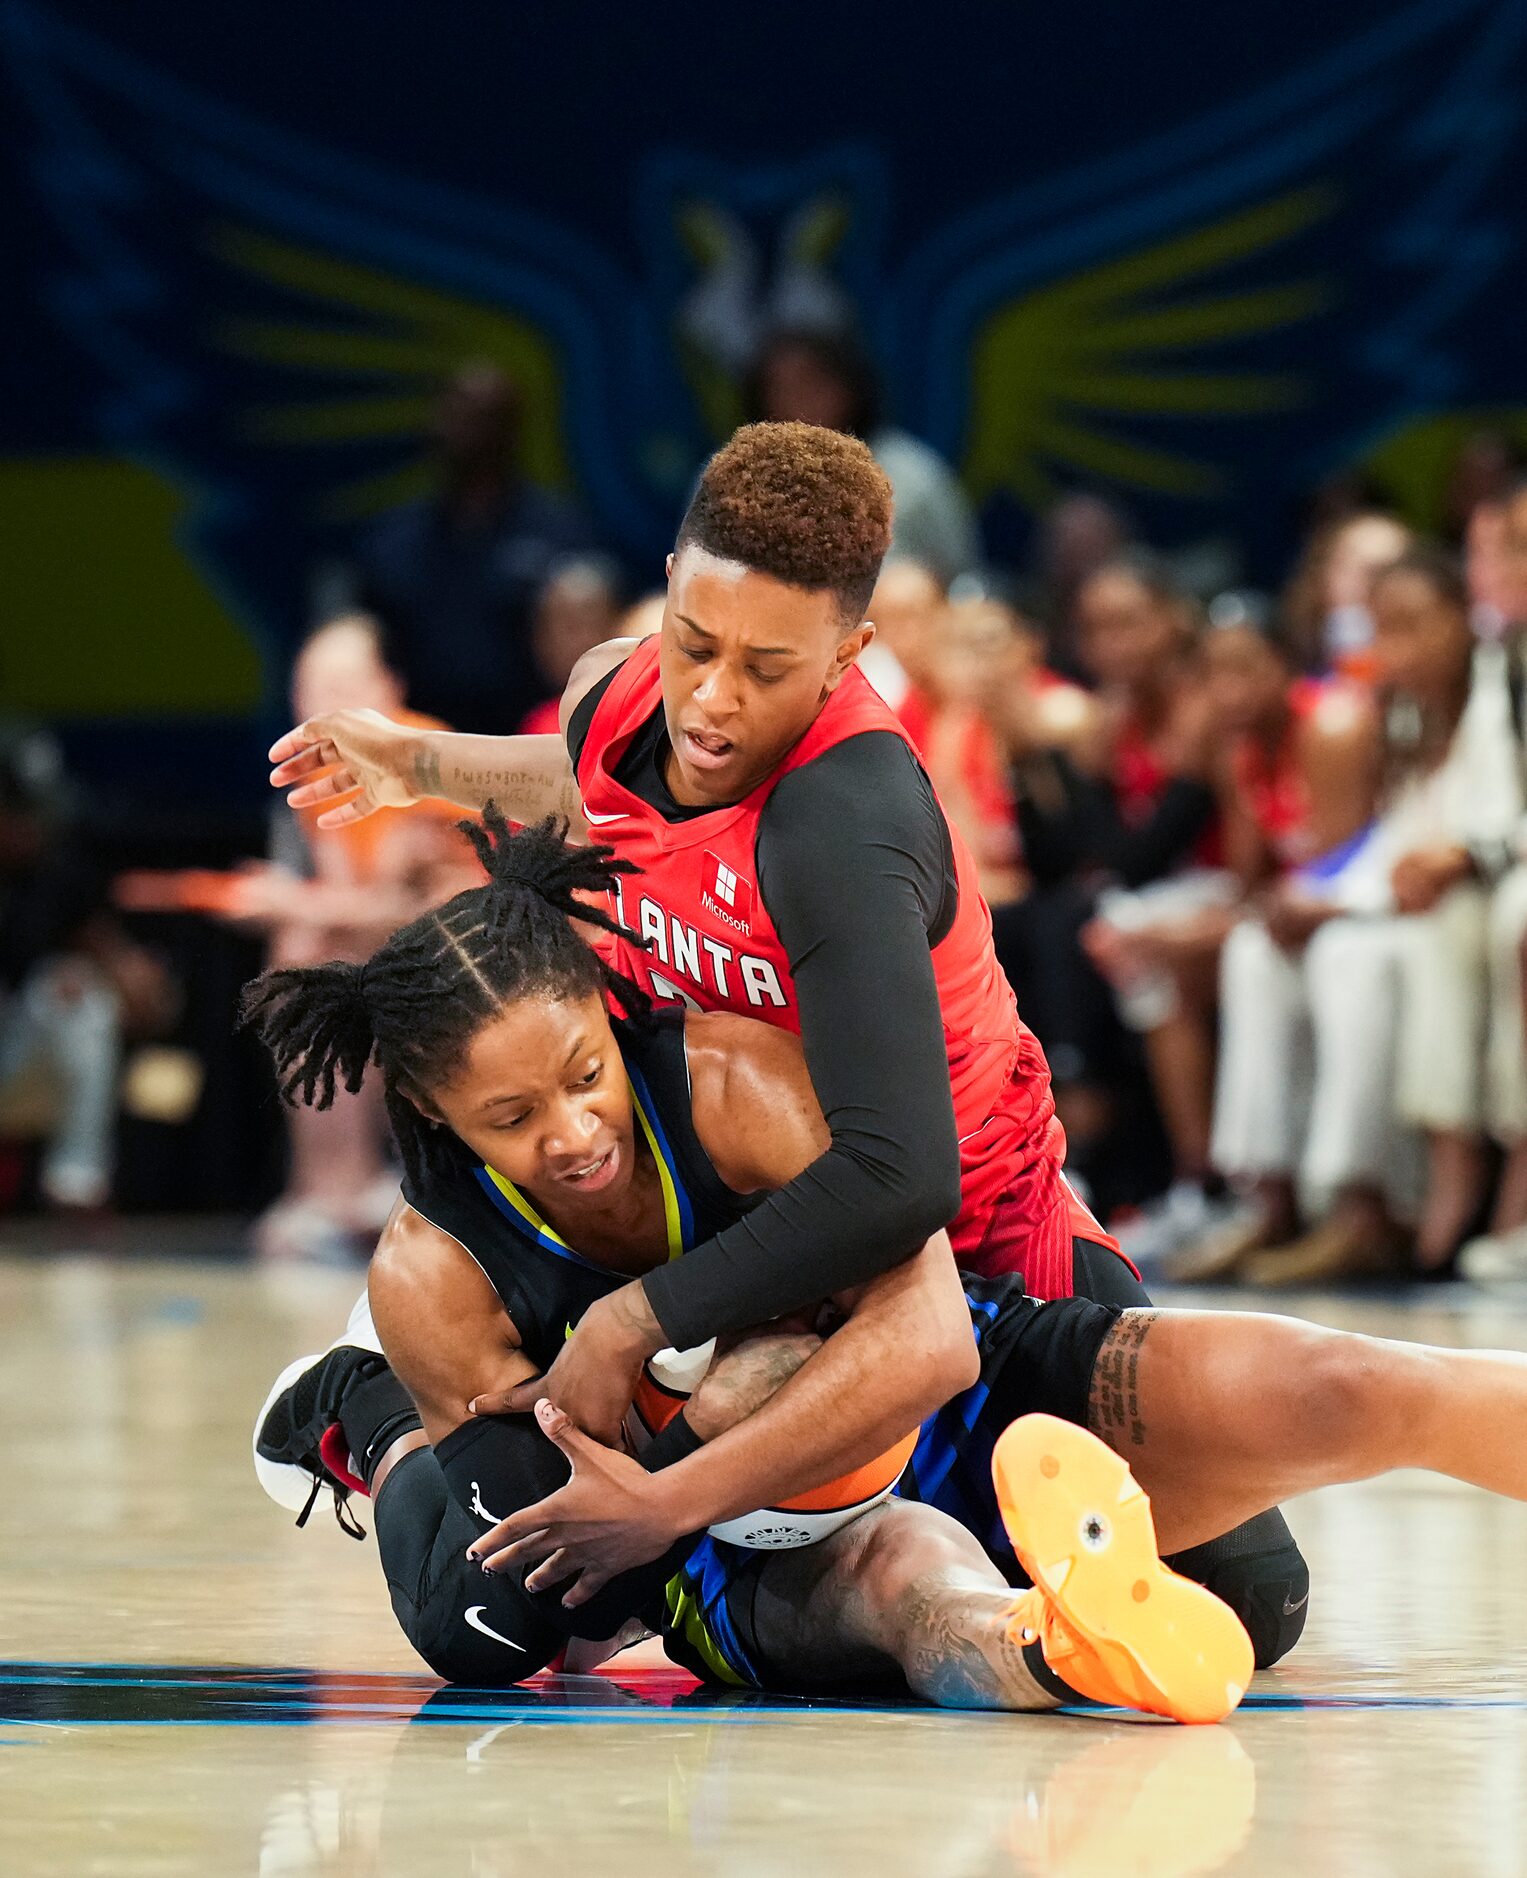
(1114, 1623)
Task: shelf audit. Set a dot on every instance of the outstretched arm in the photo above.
(352, 763)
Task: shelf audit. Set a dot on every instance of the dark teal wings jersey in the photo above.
(546, 1285)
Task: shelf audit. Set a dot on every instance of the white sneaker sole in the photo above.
(287, 1484)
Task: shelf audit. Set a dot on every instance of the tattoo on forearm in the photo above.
(1113, 1402)
(520, 793)
(427, 774)
(507, 783)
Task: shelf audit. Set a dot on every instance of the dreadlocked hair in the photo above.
(416, 1004)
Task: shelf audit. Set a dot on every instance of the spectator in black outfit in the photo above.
(1115, 800)
(453, 578)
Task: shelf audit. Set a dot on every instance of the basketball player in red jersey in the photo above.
(796, 866)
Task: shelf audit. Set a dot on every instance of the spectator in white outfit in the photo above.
(1497, 553)
(1354, 1015)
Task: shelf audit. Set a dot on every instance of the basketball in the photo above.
(668, 1381)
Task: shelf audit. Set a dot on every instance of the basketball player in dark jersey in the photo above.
(563, 1154)
(502, 965)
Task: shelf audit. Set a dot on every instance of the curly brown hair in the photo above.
(808, 506)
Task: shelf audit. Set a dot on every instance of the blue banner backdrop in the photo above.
(1196, 256)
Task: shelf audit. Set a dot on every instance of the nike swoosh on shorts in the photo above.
(474, 1618)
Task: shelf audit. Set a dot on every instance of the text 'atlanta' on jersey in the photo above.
(711, 943)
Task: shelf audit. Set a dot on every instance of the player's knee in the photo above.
(1331, 1396)
(1271, 1596)
(1259, 1571)
(1316, 1406)
(473, 1638)
(888, 1554)
(455, 1657)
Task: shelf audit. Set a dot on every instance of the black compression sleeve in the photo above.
(853, 865)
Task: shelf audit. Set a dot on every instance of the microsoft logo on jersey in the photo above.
(727, 894)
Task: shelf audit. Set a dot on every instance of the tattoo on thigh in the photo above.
(1113, 1402)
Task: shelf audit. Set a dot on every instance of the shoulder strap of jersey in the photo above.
(855, 707)
(629, 700)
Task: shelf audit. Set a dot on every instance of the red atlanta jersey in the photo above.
(712, 944)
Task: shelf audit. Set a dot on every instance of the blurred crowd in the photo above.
(1257, 860)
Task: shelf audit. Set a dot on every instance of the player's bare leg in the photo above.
(1222, 1413)
(902, 1592)
(906, 1596)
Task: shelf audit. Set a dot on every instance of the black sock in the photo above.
(373, 1415)
(1040, 1670)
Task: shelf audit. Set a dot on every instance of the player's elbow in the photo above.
(959, 1362)
(955, 1352)
(941, 1357)
(933, 1199)
(946, 1365)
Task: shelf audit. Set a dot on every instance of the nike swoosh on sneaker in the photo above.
(474, 1618)
(1297, 1605)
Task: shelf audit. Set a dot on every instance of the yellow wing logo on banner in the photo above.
(1057, 375)
(1414, 463)
(397, 340)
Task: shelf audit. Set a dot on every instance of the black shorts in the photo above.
(1036, 1358)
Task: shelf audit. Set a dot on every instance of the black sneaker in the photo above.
(299, 1448)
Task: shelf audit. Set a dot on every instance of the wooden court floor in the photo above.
(189, 1685)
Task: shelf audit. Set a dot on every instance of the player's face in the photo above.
(542, 1097)
(747, 663)
(1421, 640)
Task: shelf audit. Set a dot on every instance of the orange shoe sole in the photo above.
(1081, 1526)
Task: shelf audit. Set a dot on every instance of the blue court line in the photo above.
(615, 1717)
(234, 1698)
